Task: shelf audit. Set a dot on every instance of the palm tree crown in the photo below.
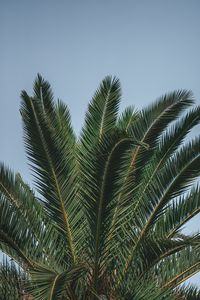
(106, 221)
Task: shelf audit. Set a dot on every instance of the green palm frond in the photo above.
(175, 178)
(185, 264)
(52, 164)
(188, 293)
(49, 284)
(102, 112)
(151, 254)
(147, 290)
(13, 281)
(169, 143)
(14, 234)
(127, 119)
(156, 117)
(174, 136)
(154, 120)
(152, 123)
(148, 127)
(100, 195)
(21, 198)
(179, 213)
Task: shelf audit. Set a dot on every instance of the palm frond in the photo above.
(102, 112)
(151, 254)
(127, 118)
(169, 143)
(49, 284)
(47, 154)
(12, 281)
(179, 213)
(147, 290)
(99, 193)
(148, 127)
(173, 180)
(178, 266)
(174, 136)
(188, 292)
(15, 235)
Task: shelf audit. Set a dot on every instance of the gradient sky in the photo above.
(153, 46)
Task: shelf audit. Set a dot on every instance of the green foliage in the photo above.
(110, 207)
(12, 281)
(188, 293)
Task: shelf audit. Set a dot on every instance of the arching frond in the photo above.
(148, 127)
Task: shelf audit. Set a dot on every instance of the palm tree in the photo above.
(106, 219)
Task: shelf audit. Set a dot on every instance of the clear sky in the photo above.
(153, 46)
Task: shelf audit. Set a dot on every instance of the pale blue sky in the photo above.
(153, 46)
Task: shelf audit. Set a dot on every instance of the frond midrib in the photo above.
(104, 114)
(53, 287)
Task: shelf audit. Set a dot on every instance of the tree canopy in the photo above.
(105, 219)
